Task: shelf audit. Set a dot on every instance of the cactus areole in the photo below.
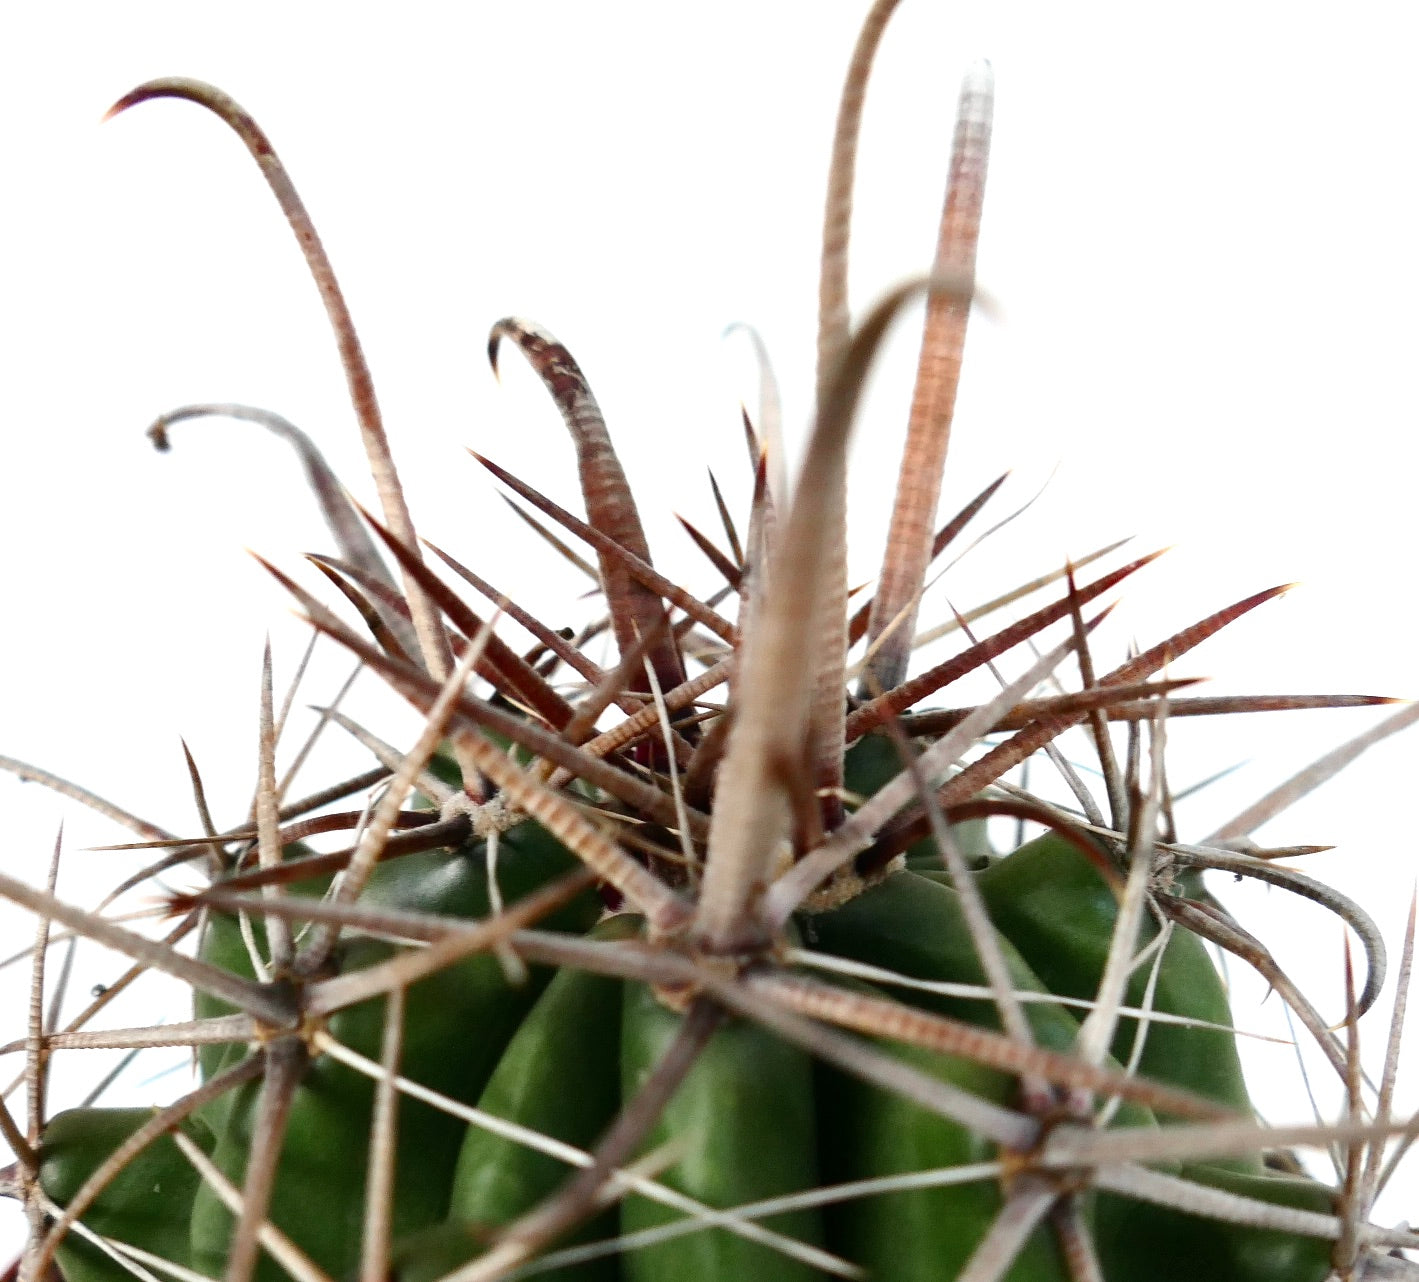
(709, 963)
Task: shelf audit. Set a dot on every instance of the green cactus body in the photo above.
(457, 1022)
(560, 1076)
(1056, 908)
(143, 1207)
(912, 925)
(756, 1119)
(1058, 913)
(743, 1115)
(917, 1234)
(745, 1118)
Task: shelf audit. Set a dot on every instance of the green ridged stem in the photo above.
(744, 1117)
(1057, 909)
(144, 1205)
(560, 1076)
(457, 1023)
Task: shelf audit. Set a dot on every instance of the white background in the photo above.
(1199, 228)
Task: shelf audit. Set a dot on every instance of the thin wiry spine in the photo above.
(1352, 1207)
(663, 909)
(1017, 593)
(552, 541)
(299, 867)
(984, 939)
(765, 444)
(27, 773)
(724, 564)
(127, 1258)
(611, 688)
(639, 568)
(639, 722)
(60, 990)
(421, 691)
(736, 551)
(908, 550)
(1222, 705)
(895, 979)
(1076, 1240)
(1374, 1178)
(881, 706)
(338, 574)
(1309, 888)
(372, 841)
(1061, 763)
(1009, 754)
(1137, 699)
(823, 1196)
(186, 852)
(1029, 1201)
(216, 859)
(682, 814)
(834, 324)
(1098, 718)
(384, 1130)
(550, 639)
(335, 792)
(253, 998)
(1068, 1147)
(881, 1017)
(36, 1052)
(1097, 1033)
(1146, 1014)
(1221, 930)
(279, 938)
(286, 1062)
(340, 516)
(511, 670)
(288, 702)
(1313, 776)
(14, 1136)
(391, 758)
(432, 642)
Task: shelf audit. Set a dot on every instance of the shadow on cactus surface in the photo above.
(709, 963)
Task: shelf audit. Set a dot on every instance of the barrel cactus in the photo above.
(713, 961)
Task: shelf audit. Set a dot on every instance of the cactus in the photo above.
(746, 983)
